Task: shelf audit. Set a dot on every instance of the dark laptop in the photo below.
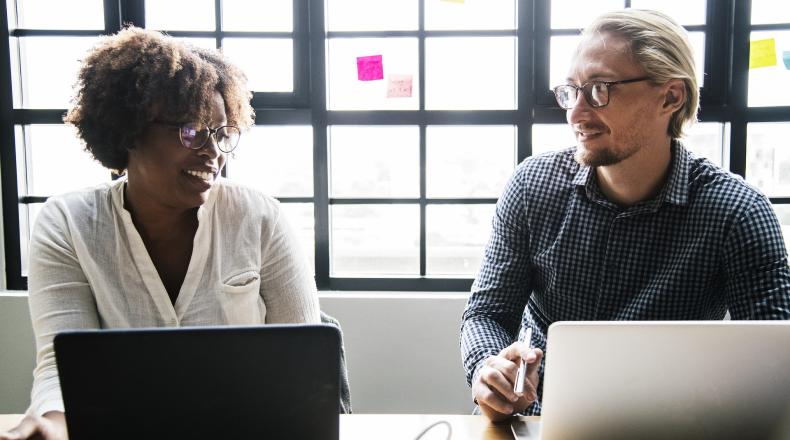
(272, 382)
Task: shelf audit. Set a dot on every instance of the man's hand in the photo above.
(52, 426)
(493, 387)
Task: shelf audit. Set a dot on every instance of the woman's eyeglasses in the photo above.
(194, 136)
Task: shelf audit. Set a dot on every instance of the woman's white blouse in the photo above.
(90, 269)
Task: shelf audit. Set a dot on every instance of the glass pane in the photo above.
(576, 14)
(268, 63)
(768, 85)
(697, 40)
(563, 49)
(484, 78)
(58, 14)
(267, 16)
(371, 15)
(767, 158)
(561, 52)
(706, 139)
(380, 161)
(300, 216)
(769, 11)
(276, 160)
(375, 240)
(180, 15)
(469, 161)
(470, 14)
(205, 43)
(38, 55)
(345, 89)
(58, 162)
(783, 213)
(456, 236)
(551, 137)
(685, 12)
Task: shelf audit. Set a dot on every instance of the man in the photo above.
(628, 225)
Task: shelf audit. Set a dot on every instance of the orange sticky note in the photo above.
(399, 86)
(762, 53)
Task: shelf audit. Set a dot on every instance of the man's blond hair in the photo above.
(661, 47)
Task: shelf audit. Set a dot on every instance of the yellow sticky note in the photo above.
(762, 53)
(453, 1)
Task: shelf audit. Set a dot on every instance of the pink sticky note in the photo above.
(370, 68)
(399, 86)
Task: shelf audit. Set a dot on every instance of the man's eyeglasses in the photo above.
(194, 136)
(595, 92)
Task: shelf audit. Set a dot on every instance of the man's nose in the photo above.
(580, 111)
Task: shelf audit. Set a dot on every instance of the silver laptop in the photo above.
(665, 380)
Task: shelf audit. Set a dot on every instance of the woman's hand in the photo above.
(51, 426)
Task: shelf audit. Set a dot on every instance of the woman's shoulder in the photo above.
(233, 197)
(85, 199)
(79, 209)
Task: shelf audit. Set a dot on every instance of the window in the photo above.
(41, 156)
(387, 128)
(767, 115)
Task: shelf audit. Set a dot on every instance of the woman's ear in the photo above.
(674, 95)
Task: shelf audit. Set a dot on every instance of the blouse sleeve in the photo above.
(60, 299)
(287, 284)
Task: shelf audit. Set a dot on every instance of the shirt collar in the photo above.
(676, 187)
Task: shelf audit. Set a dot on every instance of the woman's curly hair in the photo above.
(137, 76)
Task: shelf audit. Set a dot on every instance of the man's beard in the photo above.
(601, 158)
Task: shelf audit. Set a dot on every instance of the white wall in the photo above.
(17, 353)
(401, 349)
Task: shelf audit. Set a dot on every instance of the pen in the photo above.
(518, 387)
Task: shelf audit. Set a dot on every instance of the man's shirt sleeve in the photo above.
(757, 275)
(501, 289)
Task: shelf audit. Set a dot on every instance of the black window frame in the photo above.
(723, 100)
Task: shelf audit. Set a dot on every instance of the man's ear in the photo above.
(674, 95)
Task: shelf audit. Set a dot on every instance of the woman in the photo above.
(170, 243)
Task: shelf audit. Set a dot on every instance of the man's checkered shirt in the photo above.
(708, 243)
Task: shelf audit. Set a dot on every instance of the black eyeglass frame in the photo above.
(587, 88)
(212, 132)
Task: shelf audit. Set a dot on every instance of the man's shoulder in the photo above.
(542, 180)
(551, 166)
(715, 186)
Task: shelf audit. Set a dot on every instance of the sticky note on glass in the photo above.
(786, 59)
(370, 68)
(399, 86)
(762, 53)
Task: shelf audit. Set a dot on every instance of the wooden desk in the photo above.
(391, 426)
(407, 426)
